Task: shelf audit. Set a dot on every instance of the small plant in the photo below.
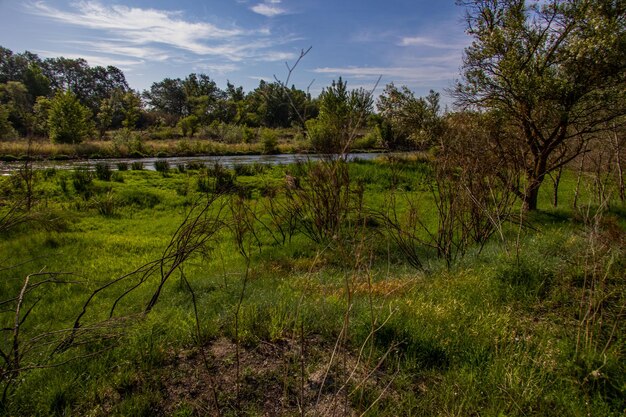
(106, 204)
(82, 180)
(195, 166)
(103, 171)
(137, 166)
(117, 177)
(161, 166)
(122, 166)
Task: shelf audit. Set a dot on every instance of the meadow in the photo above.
(311, 289)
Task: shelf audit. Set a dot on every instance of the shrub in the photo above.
(117, 177)
(189, 125)
(269, 139)
(136, 166)
(195, 166)
(103, 171)
(105, 204)
(82, 180)
(161, 165)
(122, 166)
(139, 199)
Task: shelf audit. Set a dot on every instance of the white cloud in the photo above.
(428, 42)
(420, 75)
(215, 68)
(151, 34)
(268, 9)
(94, 60)
(118, 48)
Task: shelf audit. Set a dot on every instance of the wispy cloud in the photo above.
(120, 48)
(427, 42)
(269, 8)
(153, 34)
(94, 60)
(421, 75)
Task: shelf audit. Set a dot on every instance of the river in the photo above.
(148, 163)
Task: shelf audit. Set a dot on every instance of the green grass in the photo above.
(342, 323)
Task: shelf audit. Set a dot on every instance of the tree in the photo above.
(6, 128)
(555, 69)
(68, 120)
(188, 125)
(411, 121)
(41, 112)
(131, 109)
(14, 95)
(341, 114)
(167, 96)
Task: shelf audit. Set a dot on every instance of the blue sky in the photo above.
(415, 43)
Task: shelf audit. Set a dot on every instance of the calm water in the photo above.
(148, 163)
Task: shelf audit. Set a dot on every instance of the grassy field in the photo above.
(213, 292)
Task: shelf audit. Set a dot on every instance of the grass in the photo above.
(138, 144)
(341, 326)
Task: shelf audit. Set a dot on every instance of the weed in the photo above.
(103, 171)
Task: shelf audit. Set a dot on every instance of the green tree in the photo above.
(167, 96)
(41, 112)
(556, 70)
(104, 117)
(188, 125)
(14, 95)
(341, 114)
(408, 121)
(131, 109)
(68, 119)
(6, 128)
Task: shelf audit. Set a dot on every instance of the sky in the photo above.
(417, 43)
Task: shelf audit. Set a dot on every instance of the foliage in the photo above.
(269, 139)
(556, 70)
(68, 120)
(341, 114)
(407, 121)
(189, 125)
(6, 128)
(103, 171)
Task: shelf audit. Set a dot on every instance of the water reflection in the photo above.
(148, 163)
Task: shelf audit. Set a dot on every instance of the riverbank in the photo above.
(137, 147)
(45, 150)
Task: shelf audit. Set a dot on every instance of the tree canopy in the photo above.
(555, 69)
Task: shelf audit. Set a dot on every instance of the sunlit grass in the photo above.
(495, 334)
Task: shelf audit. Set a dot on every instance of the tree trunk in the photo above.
(534, 180)
(531, 196)
(620, 172)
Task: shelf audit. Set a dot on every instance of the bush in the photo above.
(189, 125)
(122, 166)
(103, 171)
(371, 140)
(269, 139)
(117, 177)
(105, 204)
(161, 165)
(137, 166)
(82, 180)
(139, 199)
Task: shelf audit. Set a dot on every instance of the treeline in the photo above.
(69, 101)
